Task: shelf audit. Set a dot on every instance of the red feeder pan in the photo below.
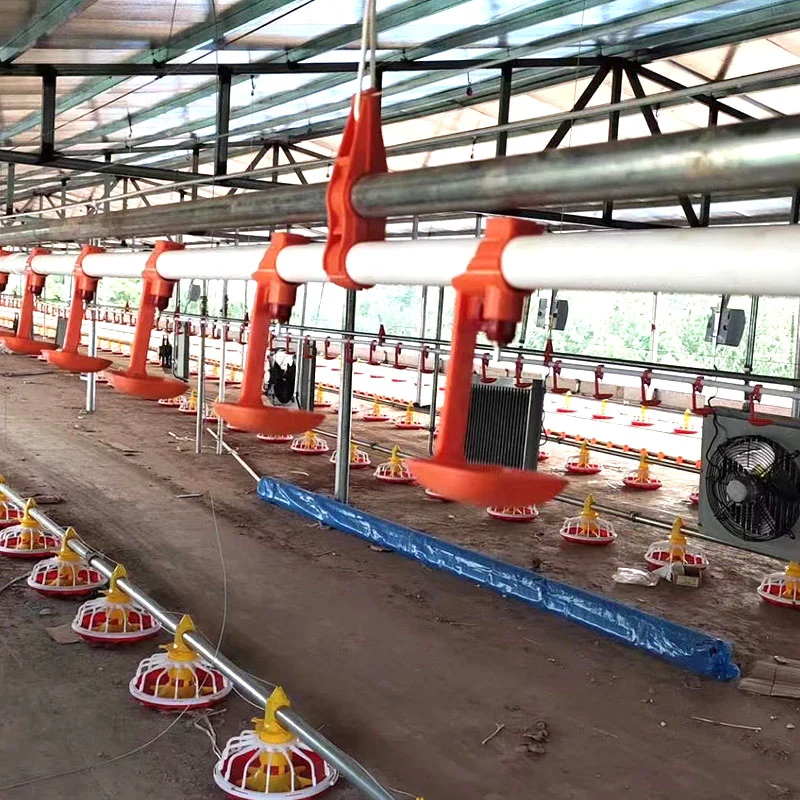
(114, 619)
(275, 438)
(602, 416)
(513, 513)
(588, 527)
(358, 458)
(649, 485)
(684, 431)
(76, 362)
(170, 402)
(9, 515)
(375, 415)
(782, 588)
(659, 554)
(66, 575)
(641, 423)
(178, 679)
(694, 498)
(309, 444)
(395, 470)
(543, 456)
(582, 464)
(434, 496)
(27, 347)
(24, 538)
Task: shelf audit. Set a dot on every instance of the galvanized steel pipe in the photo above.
(750, 155)
(252, 689)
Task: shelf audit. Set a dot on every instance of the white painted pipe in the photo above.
(756, 260)
(14, 264)
(210, 263)
(115, 265)
(54, 264)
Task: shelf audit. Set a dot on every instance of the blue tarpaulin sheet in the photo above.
(692, 649)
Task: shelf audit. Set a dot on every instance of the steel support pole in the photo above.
(613, 127)
(223, 367)
(654, 329)
(255, 690)
(201, 373)
(750, 348)
(10, 175)
(91, 377)
(504, 107)
(342, 483)
(437, 364)
(47, 142)
(195, 168)
(223, 121)
(794, 219)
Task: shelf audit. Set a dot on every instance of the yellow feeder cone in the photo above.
(395, 470)
(588, 518)
(23, 537)
(603, 407)
(686, 429)
(677, 541)
(687, 415)
(408, 417)
(67, 573)
(792, 583)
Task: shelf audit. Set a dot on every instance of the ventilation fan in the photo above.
(752, 485)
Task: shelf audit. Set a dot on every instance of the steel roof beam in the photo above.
(401, 14)
(53, 14)
(244, 12)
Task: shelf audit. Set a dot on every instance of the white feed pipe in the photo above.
(757, 260)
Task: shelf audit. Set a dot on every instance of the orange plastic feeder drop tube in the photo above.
(23, 342)
(484, 302)
(274, 299)
(156, 293)
(83, 290)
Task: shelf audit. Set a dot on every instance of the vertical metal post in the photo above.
(47, 144)
(91, 378)
(504, 108)
(195, 169)
(705, 201)
(613, 128)
(201, 373)
(654, 330)
(223, 121)
(437, 363)
(750, 349)
(793, 220)
(108, 185)
(342, 484)
(63, 212)
(10, 175)
(299, 372)
(223, 366)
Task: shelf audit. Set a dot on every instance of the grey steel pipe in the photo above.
(342, 481)
(252, 689)
(750, 155)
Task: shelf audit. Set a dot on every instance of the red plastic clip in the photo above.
(274, 299)
(697, 388)
(373, 346)
(326, 352)
(308, 349)
(361, 153)
(599, 373)
(398, 349)
(485, 358)
(156, 294)
(484, 302)
(84, 288)
(651, 402)
(423, 358)
(556, 368)
(23, 341)
(518, 382)
(755, 397)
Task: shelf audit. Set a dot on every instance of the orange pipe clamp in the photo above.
(361, 153)
(274, 299)
(156, 293)
(83, 290)
(484, 302)
(23, 342)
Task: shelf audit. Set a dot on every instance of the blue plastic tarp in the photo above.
(692, 649)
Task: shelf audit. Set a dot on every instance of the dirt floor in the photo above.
(408, 669)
